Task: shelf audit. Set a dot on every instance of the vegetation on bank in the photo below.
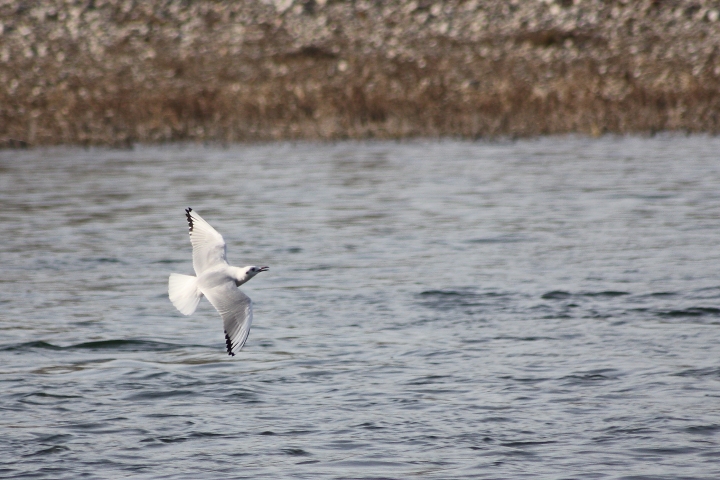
(119, 71)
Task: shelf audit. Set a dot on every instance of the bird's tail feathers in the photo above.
(184, 292)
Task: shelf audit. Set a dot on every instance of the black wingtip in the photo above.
(228, 345)
(189, 218)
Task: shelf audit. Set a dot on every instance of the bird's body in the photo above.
(216, 280)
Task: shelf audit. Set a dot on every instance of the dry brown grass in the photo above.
(276, 84)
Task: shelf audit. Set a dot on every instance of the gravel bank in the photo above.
(121, 71)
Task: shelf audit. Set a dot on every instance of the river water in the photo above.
(534, 309)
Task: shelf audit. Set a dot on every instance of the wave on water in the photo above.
(562, 294)
(696, 315)
(102, 260)
(170, 261)
(29, 346)
(691, 312)
(49, 451)
(700, 372)
(130, 345)
(500, 239)
(444, 299)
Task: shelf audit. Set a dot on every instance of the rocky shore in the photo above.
(116, 72)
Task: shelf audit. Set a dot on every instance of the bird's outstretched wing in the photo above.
(208, 245)
(235, 308)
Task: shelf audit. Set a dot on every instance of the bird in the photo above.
(217, 281)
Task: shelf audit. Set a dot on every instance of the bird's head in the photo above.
(252, 270)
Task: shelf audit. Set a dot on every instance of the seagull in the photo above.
(217, 280)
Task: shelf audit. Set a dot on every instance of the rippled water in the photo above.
(535, 309)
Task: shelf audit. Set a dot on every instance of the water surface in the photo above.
(534, 309)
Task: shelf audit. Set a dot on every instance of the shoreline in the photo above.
(214, 71)
(502, 140)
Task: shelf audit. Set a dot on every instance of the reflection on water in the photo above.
(545, 308)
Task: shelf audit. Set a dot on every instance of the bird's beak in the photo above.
(263, 269)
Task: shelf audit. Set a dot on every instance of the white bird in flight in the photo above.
(217, 280)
